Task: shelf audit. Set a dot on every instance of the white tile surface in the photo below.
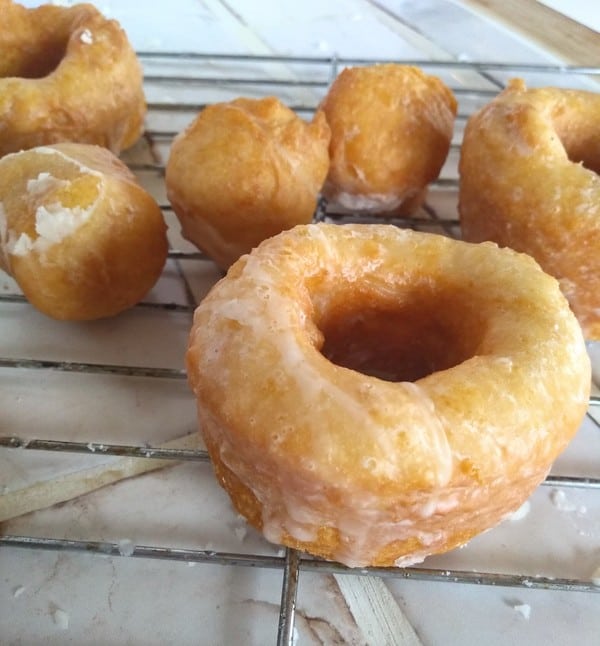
(128, 601)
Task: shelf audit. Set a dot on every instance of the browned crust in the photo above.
(111, 260)
(67, 74)
(244, 171)
(391, 127)
(528, 180)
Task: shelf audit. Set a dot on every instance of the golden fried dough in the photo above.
(375, 395)
(244, 171)
(80, 236)
(529, 180)
(391, 127)
(67, 74)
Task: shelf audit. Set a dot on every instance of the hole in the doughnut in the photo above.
(400, 342)
(580, 141)
(40, 60)
(589, 157)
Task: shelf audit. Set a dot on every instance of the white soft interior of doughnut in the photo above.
(43, 183)
(53, 222)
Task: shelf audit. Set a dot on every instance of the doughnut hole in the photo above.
(39, 59)
(423, 332)
(588, 156)
(580, 137)
(44, 63)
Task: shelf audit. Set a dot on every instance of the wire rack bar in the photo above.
(108, 548)
(289, 592)
(475, 66)
(93, 368)
(572, 481)
(151, 452)
(440, 182)
(167, 306)
(199, 455)
(128, 371)
(194, 108)
(283, 82)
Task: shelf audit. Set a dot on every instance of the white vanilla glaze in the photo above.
(523, 609)
(363, 438)
(371, 202)
(298, 506)
(86, 37)
(521, 512)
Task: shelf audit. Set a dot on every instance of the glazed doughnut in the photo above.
(79, 235)
(529, 180)
(375, 395)
(67, 74)
(244, 171)
(391, 127)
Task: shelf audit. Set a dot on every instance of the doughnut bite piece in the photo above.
(67, 74)
(391, 127)
(374, 395)
(77, 232)
(244, 171)
(529, 180)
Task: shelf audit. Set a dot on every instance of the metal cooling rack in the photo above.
(178, 85)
